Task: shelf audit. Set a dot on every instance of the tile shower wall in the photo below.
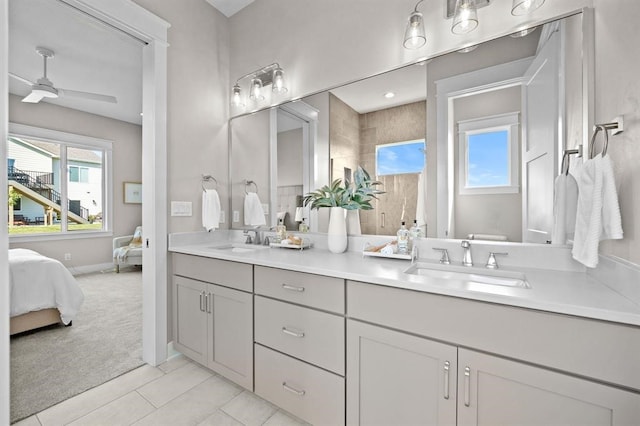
(290, 197)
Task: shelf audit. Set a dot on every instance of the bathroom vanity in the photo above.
(337, 339)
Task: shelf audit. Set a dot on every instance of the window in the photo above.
(488, 155)
(400, 158)
(63, 181)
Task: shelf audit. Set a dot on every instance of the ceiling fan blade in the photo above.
(33, 98)
(20, 79)
(87, 95)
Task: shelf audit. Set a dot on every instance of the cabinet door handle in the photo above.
(467, 385)
(208, 302)
(285, 330)
(446, 379)
(202, 301)
(293, 288)
(292, 390)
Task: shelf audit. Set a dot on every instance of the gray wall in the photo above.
(127, 163)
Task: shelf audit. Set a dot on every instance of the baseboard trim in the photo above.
(89, 269)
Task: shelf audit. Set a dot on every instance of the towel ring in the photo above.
(592, 143)
(208, 178)
(566, 159)
(247, 184)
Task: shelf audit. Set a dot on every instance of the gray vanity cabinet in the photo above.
(213, 324)
(497, 391)
(395, 378)
(397, 369)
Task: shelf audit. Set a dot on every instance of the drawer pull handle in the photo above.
(202, 301)
(467, 385)
(285, 330)
(446, 379)
(293, 288)
(292, 390)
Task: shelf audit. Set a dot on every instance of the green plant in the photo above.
(356, 195)
(14, 197)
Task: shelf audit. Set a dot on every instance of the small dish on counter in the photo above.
(388, 250)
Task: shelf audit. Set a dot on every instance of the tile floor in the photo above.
(178, 392)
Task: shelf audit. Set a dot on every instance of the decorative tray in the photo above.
(304, 245)
(389, 256)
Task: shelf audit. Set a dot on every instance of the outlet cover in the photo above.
(67, 256)
(222, 218)
(236, 216)
(181, 208)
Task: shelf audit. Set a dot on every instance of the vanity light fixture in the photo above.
(465, 18)
(522, 7)
(414, 35)
(271, 74)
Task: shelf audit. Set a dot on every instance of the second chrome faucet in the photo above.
(466, 253)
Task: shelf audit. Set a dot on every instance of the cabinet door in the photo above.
(231, 336)
(190, 318)
(395, 378)
(496, 391)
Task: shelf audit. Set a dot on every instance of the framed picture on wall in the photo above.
(132, 192)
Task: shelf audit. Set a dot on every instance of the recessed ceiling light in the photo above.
(389, 95)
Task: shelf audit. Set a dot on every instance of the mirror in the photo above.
(446, 101)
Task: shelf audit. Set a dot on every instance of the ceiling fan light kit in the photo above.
(43, 87)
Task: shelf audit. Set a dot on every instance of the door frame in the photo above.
(142, 24)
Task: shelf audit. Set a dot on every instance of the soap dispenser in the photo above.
(281, 231)
(303, 226)
(403, 239)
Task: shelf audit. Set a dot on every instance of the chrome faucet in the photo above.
(466, 253)
(256, 239)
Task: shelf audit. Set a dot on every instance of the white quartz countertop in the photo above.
(570, 293)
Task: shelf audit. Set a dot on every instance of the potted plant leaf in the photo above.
(351, 196)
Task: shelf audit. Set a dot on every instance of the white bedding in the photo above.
(37, 282)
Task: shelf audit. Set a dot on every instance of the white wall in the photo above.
(289, 155)
(127, 161)
(197, 103)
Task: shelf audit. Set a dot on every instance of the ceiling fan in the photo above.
(43, 87)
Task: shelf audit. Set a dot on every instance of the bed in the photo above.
(43, 291)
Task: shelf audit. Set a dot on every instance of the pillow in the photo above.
(136, 241)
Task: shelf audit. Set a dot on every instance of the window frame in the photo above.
(509, 122)
(75, 141)
(414, 141)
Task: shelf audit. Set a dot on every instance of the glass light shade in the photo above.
(522, 7)
(278, 81)
(414, 36)
(256, 90)
(236, 96)
(465, 18)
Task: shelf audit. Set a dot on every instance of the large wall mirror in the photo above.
(468, 143)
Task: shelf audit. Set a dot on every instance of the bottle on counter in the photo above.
(415, 231)
(403, 239)
(281, 232)
(303, 226)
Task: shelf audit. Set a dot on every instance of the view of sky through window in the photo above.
(488, 159)
(399, 158)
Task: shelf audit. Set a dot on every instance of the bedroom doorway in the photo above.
(125, 16)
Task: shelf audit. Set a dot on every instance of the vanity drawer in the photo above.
(222, 272)
(308, 392)
(306, 289)
(313, 336)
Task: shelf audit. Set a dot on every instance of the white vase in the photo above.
(353, 222)
(337, 232)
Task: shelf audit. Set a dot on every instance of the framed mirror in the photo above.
(445, 101)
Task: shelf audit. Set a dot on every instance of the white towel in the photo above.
(421, 206)
(210, 209)
(299, 214)
(565, 205)
(253, 212)
(595, 221)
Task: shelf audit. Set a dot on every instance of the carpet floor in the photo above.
(105, 341)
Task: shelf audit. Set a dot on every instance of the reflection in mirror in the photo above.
(444, 102)
(289, 170)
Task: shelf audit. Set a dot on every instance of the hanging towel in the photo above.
(210, 209)
(299, 214)
(565, 205)
(253, 212)
(421, 206)
(595, 221)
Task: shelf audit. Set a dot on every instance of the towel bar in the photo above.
(208, 178)
(247, 184)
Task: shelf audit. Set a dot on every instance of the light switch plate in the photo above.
(222, 218)
(181, 208)
(236, 216)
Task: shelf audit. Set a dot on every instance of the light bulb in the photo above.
(278, 81)
(414, 36)
(236, 96)
(256, 89)
(466, 17)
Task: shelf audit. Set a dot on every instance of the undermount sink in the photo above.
(239, 247)
(470, 274)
